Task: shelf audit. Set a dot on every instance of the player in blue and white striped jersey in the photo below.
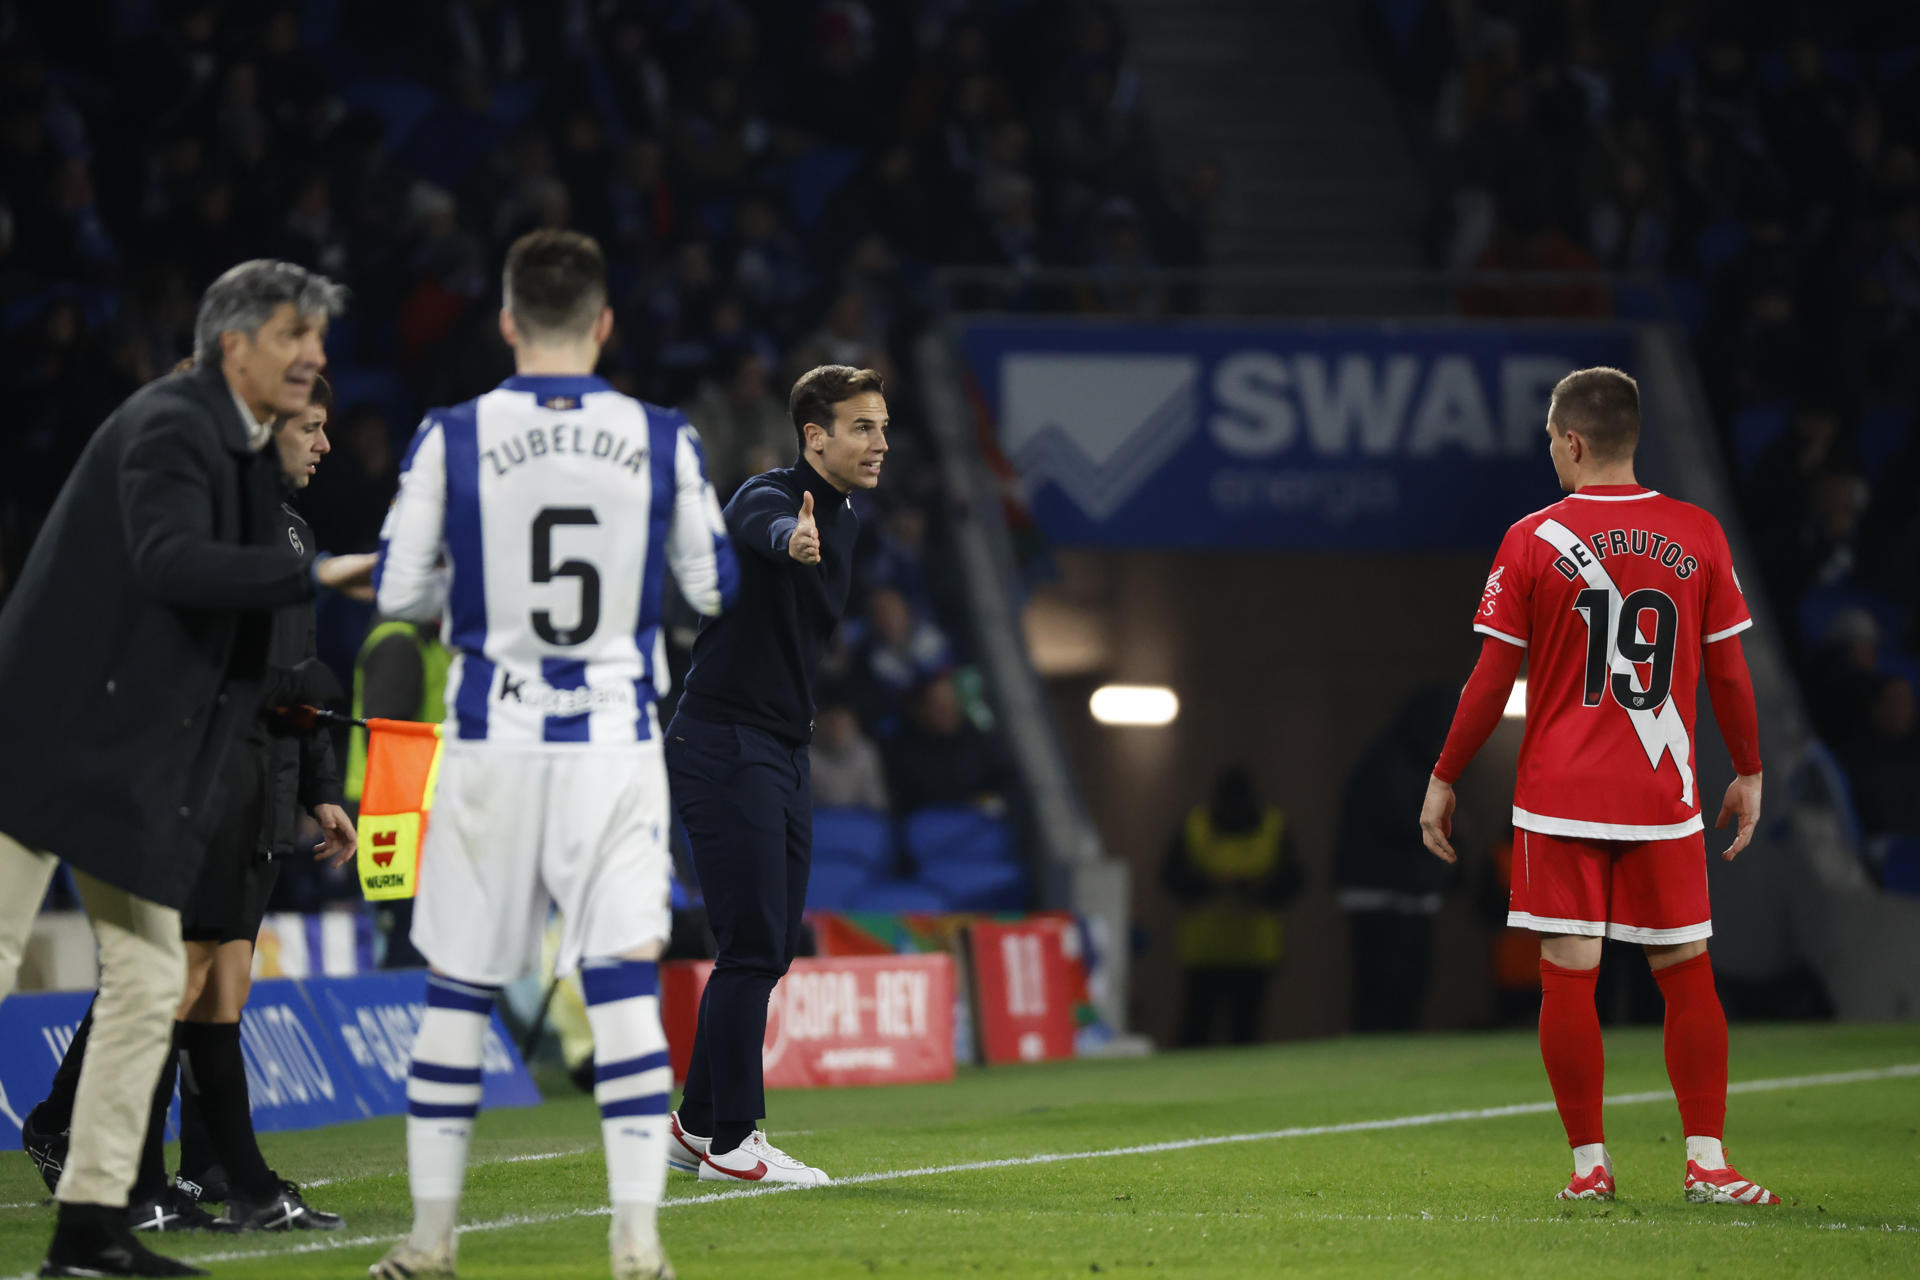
(558, 505)
(539, 523)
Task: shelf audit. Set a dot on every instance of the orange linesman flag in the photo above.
(403, 764)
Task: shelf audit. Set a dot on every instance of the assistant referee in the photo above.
(737, 757)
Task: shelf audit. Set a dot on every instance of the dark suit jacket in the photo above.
(133, 648)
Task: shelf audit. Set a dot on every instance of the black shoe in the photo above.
(171, 1210)
(48, 1151)
(283, 1210)
(209, 1188)
(94, 1240)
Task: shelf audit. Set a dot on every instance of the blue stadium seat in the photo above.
(858, 837)
(814, 176)
(1819, 606)
(1883, 433)
(399, 102)
(1900, 873)
(371, 384)
(1892, 65)
(980, 886)
(834, 886)
(901, 897)
(957, 834)
(1755, 427)
(1718, 244)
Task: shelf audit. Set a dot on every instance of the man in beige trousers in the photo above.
(131, 655)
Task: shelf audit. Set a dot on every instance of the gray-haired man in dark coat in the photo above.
(131, 656)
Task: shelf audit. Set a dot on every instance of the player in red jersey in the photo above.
(1614, 594)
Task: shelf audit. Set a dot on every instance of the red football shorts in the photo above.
(1645, 891)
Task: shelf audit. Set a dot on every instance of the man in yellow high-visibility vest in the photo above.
(1231, 868)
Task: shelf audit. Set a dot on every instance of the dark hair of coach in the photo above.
(133, 648)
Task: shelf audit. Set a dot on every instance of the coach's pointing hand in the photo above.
(1436, 820)
(1743, 803)
(804, 545)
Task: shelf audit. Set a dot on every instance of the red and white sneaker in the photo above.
(1597, 1185)
(1724, 1186)
(685, 1151)
(757, 1160)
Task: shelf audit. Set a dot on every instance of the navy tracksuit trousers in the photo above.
(746, 800)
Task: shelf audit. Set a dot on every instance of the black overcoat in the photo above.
(133, 647)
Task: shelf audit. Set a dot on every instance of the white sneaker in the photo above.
(685, 1151)
(757, 1160)
(404, 1262)
(633, 1261)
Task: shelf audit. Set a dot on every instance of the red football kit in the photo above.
(1613, 595)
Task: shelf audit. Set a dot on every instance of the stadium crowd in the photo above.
(1761, 162)
(773, 182)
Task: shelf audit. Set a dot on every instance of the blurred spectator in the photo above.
(744, 429)
(1231, 867)
(845, 763)
(1886, 767)
(1846, 680)
(1386, 883)
(904, 649)
(942, 759)
(1123, 269)
(894, 557)
(842, 338)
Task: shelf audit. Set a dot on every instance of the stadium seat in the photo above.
(1820, 605)
(1900, 873)
(834, 886)
(1718, 244)
(1756, 426)
(399, 102)
(980, 886)
(857, 837)
(957, 834)
(1883, 431)
(370, 384)
(900, 897)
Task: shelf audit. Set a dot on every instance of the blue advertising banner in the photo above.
(1361, 436)
(319, 1051)
(373, 1018)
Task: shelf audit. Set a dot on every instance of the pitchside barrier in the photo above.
(895, 999)
(890, 999)
(319, 1051)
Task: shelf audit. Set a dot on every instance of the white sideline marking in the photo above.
(520, 1159)
(1900, 1071)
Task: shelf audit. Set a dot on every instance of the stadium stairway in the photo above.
(1318, 174)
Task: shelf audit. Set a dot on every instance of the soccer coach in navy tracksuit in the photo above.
(737, 757)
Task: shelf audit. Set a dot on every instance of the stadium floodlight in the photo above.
(1149, 704)
(1517, 702)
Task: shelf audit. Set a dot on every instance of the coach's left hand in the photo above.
(341, 839)
(1742, 802)
(1436, 820)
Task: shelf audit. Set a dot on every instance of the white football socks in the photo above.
(1706, 1152)
(443, 1097)
(1587, 1157)
(631, 1081)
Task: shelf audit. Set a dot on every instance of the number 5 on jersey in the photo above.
(545, 571)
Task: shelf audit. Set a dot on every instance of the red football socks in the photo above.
(1570, 1046)
(1696, 1042)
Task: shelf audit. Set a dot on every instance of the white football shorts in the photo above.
(515, 830)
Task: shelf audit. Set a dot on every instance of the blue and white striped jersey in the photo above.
(539, 522)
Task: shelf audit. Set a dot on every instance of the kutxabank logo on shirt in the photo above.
(1096, 426)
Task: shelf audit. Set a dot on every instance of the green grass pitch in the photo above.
(1435, 1188)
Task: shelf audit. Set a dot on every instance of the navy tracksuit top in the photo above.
(754, 664)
